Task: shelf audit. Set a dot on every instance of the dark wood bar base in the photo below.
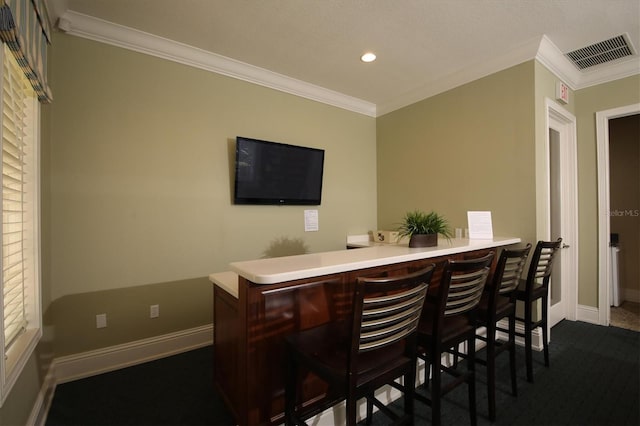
(249, 330)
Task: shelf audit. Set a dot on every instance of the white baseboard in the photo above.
(79, 366)
(86, 364)
(536, 335)
(40, 408)
(588, 314)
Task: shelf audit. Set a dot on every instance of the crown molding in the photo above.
(522, 54)
(91, 28)
(615, 71)
(555, 61)
(541, 49)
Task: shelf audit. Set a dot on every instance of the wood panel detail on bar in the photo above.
(249, 330)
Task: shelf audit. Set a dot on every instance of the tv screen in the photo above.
(277, 173)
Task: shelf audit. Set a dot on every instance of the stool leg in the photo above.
(491, 368)
(436, 386)
(352, 408)
(545, 329)
(409, 390)
(512, 353)
(369, 409)
(471, 381)
(528, 341)
(427, 372)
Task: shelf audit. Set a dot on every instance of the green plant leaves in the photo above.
(419, 222)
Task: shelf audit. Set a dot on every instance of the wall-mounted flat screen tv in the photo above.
(277, 173)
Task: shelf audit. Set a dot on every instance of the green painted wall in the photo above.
(141, 170)
(141, 184)
(470, 148)
(136, 195)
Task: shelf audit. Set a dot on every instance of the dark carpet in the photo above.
(594, 379)
(176, 390)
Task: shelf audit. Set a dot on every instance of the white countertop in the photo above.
(227, 280)
(287, 268)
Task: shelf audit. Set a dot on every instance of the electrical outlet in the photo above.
(154, 311)
(101, 320)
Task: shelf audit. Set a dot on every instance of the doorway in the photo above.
(605, 263)
(562, 210)
(604, 206)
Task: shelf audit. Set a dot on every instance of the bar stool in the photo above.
(448, 320)
(355, 357)
(498, 302)
(535, 287)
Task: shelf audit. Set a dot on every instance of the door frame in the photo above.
(561, 120)
(604, 226)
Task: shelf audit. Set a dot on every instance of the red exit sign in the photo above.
(562, 92)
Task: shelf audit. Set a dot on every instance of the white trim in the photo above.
(91, 28)
(536, 335)
(557, 114)
(553, 59)
(604, 229)
(38, 416)
(471, 73)
(542, 49)
(588, 314)
(86, 364)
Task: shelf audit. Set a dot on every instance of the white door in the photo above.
(562, 212)
(557, 304)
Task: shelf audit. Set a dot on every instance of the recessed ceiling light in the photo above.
(368, 57)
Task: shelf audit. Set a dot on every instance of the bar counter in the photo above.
(259, 302)
(280, 269)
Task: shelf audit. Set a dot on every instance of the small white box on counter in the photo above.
(389, 237)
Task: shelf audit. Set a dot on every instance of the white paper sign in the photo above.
(310, 220)
(480, 227)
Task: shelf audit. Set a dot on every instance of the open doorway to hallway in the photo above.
(624, 221)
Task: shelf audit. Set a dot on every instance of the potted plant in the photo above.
(423, 228)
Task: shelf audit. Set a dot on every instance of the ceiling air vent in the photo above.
(600, 53)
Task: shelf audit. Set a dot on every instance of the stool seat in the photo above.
(452, 328)
(503, 307)
(332, 355)
(537, 290)
(373, 347)
(448, 320)
(536, 287)
(498, 302)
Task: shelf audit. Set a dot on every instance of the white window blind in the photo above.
(14, 137)
(21, 321)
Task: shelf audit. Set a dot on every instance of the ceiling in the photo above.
(423, 46)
